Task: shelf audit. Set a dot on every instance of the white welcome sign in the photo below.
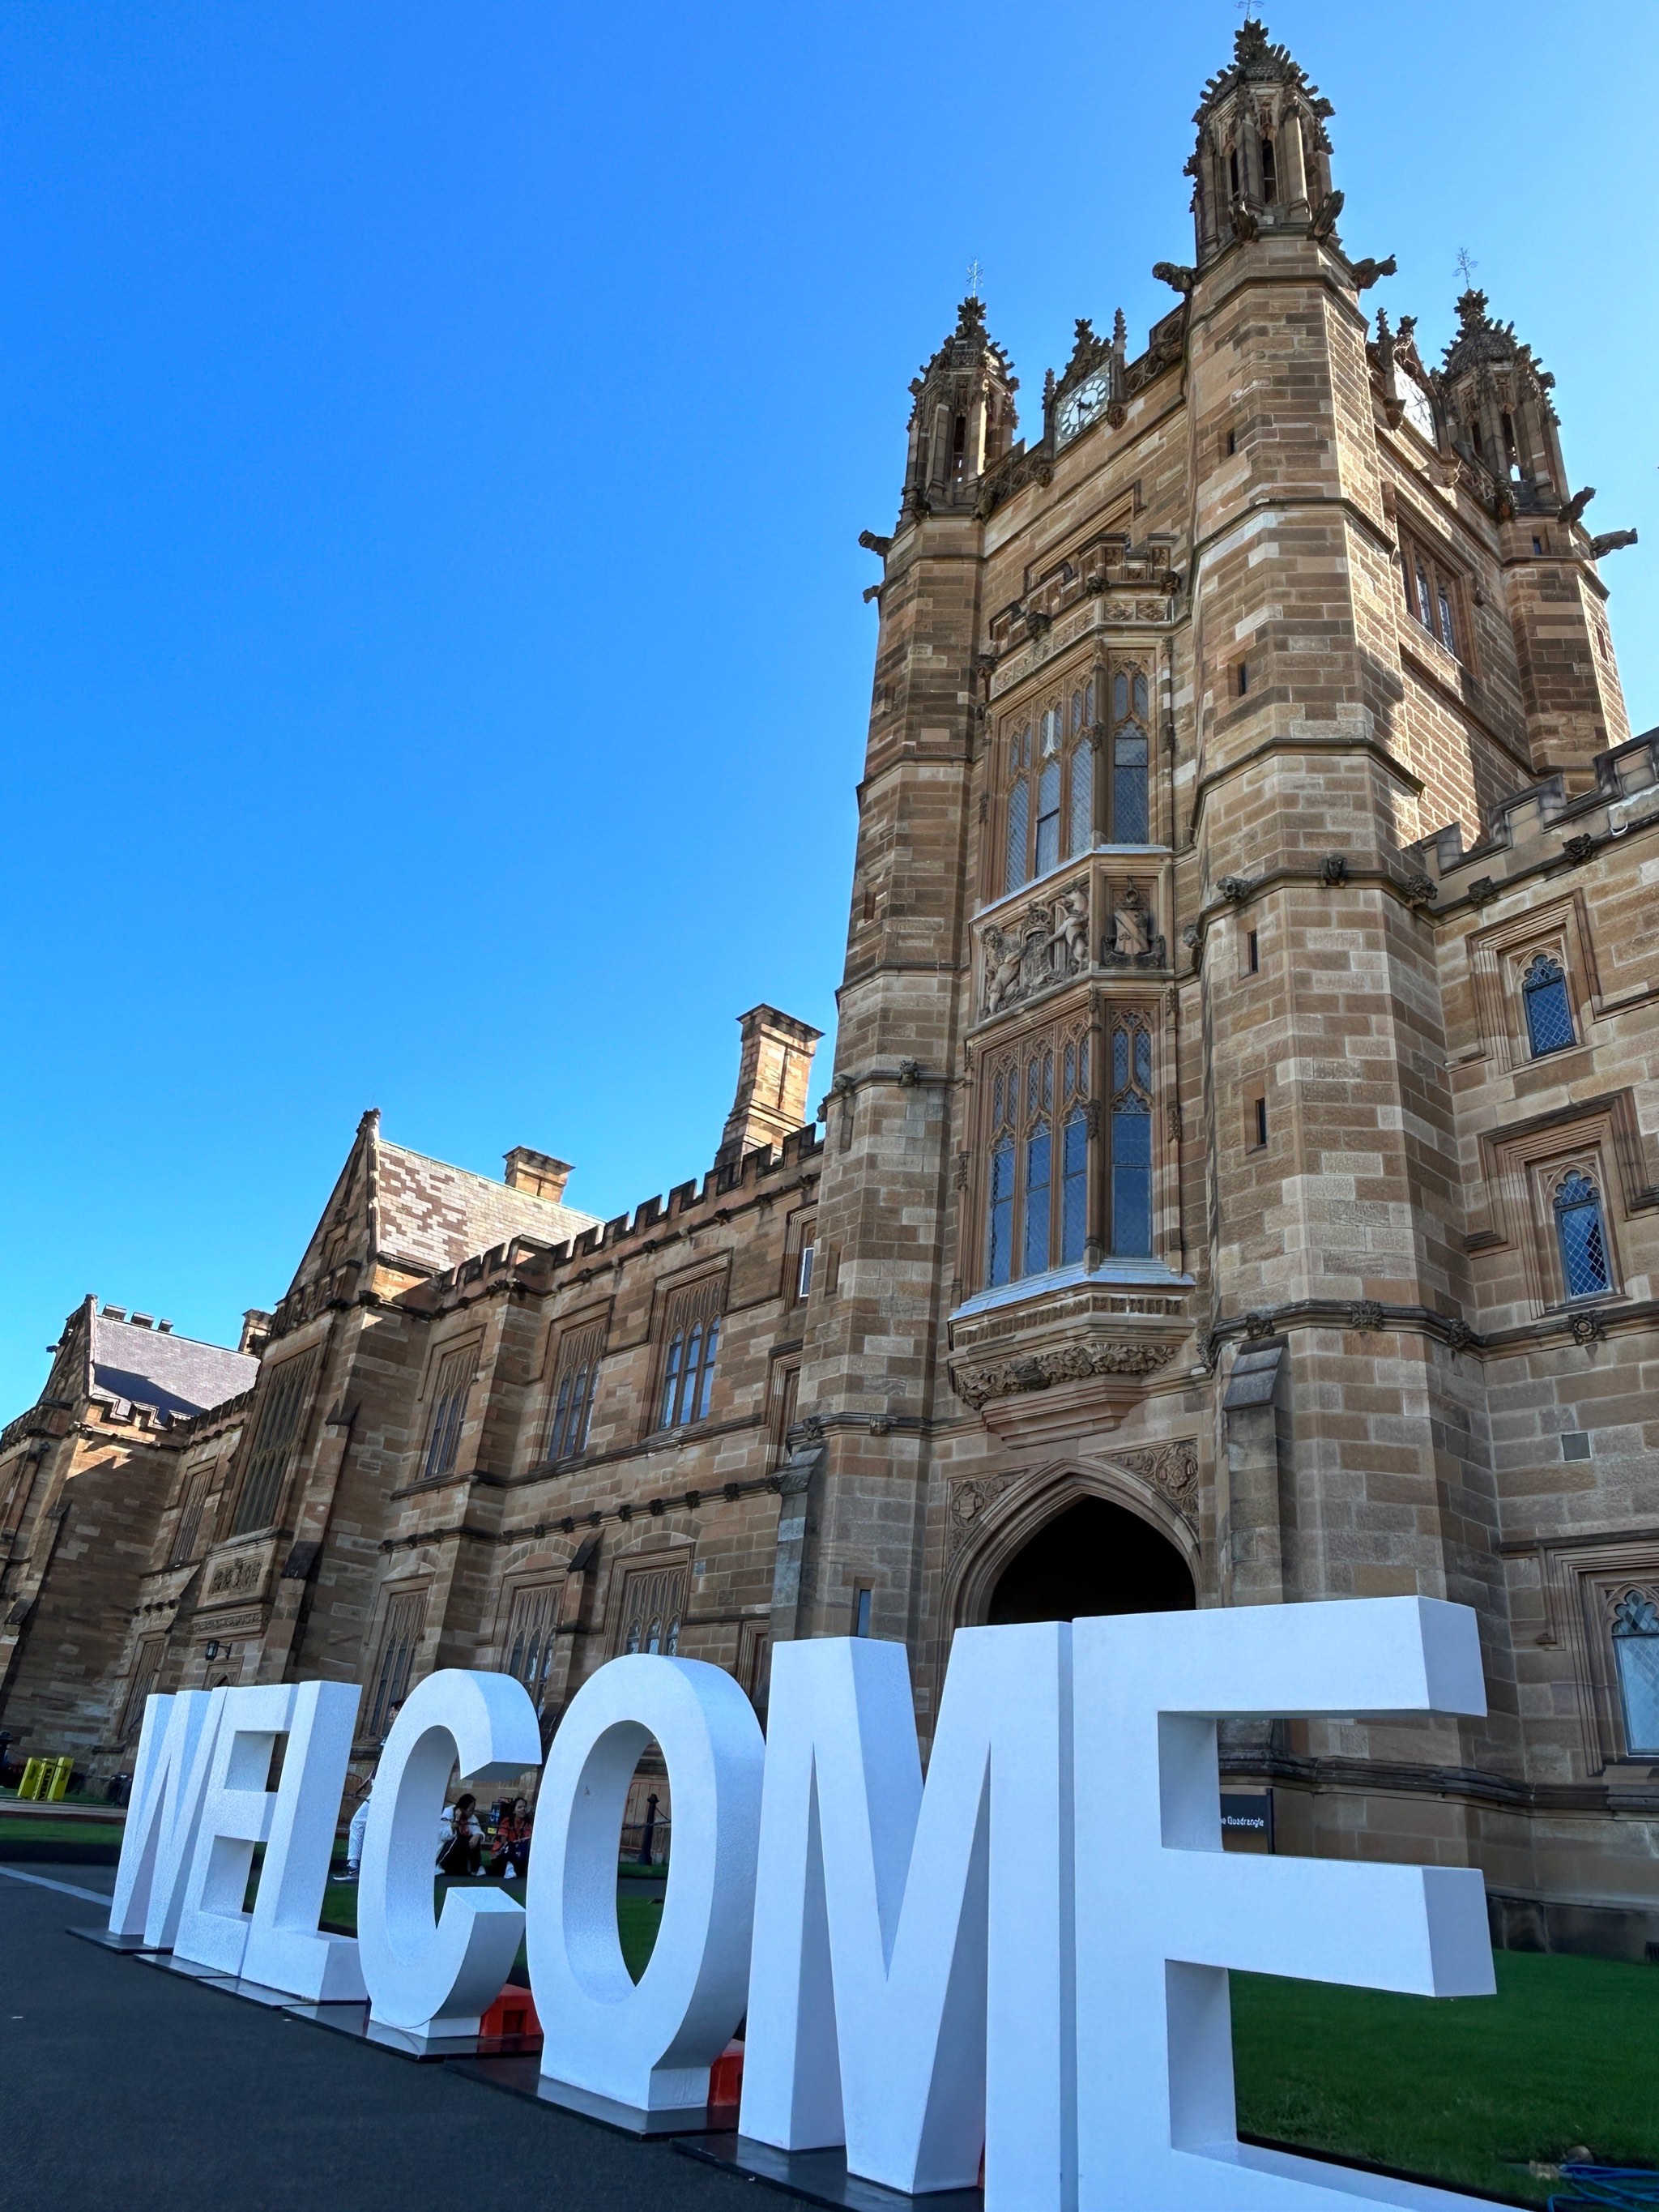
(1024, 1958)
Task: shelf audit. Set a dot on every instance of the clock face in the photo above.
(1420, 409)
(1080, 407)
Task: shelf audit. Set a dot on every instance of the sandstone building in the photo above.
(1239, 1179)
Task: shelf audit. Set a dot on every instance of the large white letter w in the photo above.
(910, 1992)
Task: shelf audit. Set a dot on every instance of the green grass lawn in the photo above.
(42, 1828)
(1467, 2090)
(637, 1919)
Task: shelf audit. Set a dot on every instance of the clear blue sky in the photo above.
(432, 667)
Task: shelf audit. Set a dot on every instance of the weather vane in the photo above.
(975, 272)
(1466, 265)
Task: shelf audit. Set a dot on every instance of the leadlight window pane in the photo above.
(1132, 1180)
(1143, 1058)
(449, 1396)
(1448, 634)
(560, 1408)
(1083, 797)
(1130, 810)
(1088, 701)
(1584, 1240)
(1120, 1058)
(999, 1256)
(1035, 1258)
(1120, 696)
(1077, 712)
(1141, 696)
(689, 1387)
(404, 1619)
(1549, 1015)
(1019, 823)
(1074, 1191)
(274, 1444)
(1635, 1655)
(1423, 614)
(671, 1377)
(711, 1346)
(1048, 827)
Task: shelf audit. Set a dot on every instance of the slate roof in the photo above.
(436, 1216)
(174, 1375)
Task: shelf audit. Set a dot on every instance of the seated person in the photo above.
(460, 1839)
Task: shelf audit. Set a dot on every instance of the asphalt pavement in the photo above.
(126, 2090)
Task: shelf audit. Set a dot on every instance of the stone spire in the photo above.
(963, 419)
(1500, 411)
(1263, 157)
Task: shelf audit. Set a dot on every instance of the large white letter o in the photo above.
(423, 1975)
(651, 2045)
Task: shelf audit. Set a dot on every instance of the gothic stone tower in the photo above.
(1145, 1261)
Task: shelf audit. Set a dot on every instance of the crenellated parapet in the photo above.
(1544, 827)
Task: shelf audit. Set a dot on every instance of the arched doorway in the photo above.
(1093, 1557)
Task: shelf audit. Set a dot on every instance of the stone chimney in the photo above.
(538, 1173)
(773, 1074)
(256, 1331)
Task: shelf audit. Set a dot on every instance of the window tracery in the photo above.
(574, 1386)
(1049, 1148)
(691, 1331)
(1073, 776)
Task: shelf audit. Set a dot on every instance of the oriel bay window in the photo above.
(1059, 797)
(1061, 1175)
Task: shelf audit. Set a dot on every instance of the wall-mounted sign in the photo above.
(1024, 1957)
(1246, 1817)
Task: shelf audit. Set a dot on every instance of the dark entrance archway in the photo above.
(1093, 1557)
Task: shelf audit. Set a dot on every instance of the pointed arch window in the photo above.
(1581, 1231)
(1635, 1660)
(1047, 854)
(1131, 758)
(1037, 1166)
(691, 1346)
(1131, 1183)
(1433, 595)
(575, 1382)
(1018, 870)
(1060, 1154)
(1071, 774)
(532, 1638)
(280, 1406)
(1548, 1010)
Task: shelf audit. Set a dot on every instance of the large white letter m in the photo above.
(909, 1994)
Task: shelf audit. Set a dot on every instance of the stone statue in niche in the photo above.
(1071, 932)
(1131, 927)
